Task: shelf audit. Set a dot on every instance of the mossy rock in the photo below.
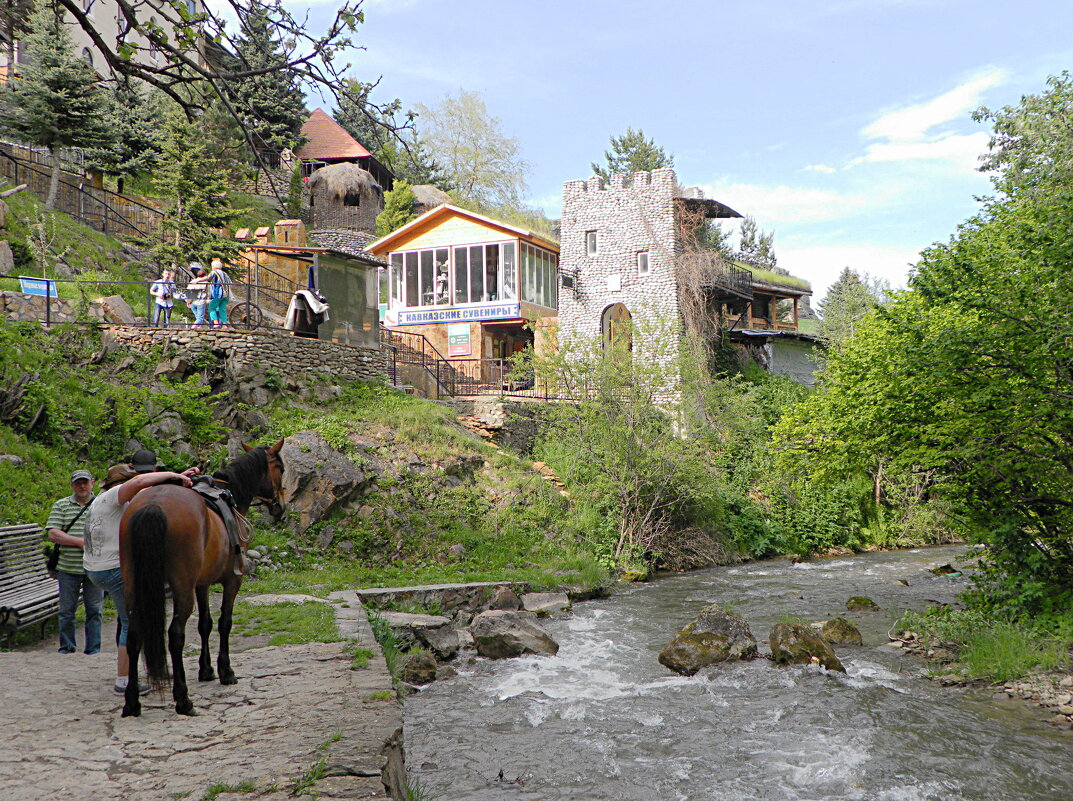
(841, 632)
(799, 644)
(861, 603)
(714, 636)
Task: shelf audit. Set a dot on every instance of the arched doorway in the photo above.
(616, 326)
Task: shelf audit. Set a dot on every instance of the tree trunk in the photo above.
(54, 184)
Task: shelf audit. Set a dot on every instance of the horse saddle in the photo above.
(221, 501)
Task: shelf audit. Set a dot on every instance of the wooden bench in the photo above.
(28, 595)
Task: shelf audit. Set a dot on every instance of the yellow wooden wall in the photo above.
(453, 231)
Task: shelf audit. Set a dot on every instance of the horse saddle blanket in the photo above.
(220, 501)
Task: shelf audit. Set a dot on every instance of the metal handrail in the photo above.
(717, 273)
(247, 294)
(72, 199)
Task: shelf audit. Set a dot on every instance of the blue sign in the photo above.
(498, 311)
(38, 286)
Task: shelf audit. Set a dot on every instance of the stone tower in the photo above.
(618, 252)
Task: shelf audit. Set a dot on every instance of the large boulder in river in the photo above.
(799, 644)
(499, 634)
(840, 631)
(546, 603)
(714, 636)
(861, 603)
(317, 479)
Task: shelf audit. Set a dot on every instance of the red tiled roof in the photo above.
(328, 140)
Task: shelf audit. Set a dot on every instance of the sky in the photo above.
(843, 126)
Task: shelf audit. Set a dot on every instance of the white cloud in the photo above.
(819, 168)
(791, 204)
(821, 264)
(908, 133)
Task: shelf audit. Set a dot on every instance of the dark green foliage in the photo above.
(632, 152)
(270, 104)
(848, 301)
(196, 191)
(136, 120)
(294, 193)
(54, 102)
(755, 247)
(398, 209)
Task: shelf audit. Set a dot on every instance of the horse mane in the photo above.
(244, 475)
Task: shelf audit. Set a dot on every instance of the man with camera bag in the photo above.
(65, 526)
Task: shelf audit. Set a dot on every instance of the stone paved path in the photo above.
(298, 712)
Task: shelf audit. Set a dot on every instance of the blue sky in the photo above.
(842, 125)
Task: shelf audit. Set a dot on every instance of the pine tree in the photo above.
(198, 210)
(271, 104)
(136, 120)
(54, 101)
(632, 152)
(398, 209)
(756, 247)
(848, 301)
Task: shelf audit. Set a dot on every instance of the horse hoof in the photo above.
(232, 679)
(131, 711)
(208, 675)
(186, 708)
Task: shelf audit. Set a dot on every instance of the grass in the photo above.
(219, 789)
(287, 623)
(769, 277)
(389, 646)
(359, 657)
(989, 649)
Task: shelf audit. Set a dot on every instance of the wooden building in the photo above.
(328, 143)
(474, 287)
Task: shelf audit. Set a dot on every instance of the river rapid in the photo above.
(604, 720)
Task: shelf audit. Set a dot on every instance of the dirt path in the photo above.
(299, 719)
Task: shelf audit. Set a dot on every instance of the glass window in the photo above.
(642, 263)
(461, 275)
(590, 243)
(491, 272)
(427, 276)
(510, 272)
(396, 278)
(476, 274)
(555, 282)
(441, 288)
(412, 292)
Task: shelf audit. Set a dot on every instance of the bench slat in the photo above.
(28, 595)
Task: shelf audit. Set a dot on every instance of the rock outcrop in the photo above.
(799, 644)
(318, 479)
(499, 634)
(861, 603)
(714, 636)
(546, 603)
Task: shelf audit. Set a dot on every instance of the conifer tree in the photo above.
(54, 101)
(271, 104)
(632, 152)
(199, 210)
(398, 209)
(136, 120)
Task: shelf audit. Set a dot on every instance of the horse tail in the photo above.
(148, 531)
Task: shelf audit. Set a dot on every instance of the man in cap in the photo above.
(101, 558)
(65, 525)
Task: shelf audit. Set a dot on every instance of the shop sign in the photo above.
(495, 311)
(37, 286)
(458, 343)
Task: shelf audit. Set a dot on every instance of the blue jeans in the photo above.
(70, 585)
(111, 581)
(199, 312)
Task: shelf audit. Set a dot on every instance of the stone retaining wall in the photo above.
(22, 308)
(288, 355)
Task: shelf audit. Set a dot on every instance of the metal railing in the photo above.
(100, 209)
(717, 274)
(72, 159)
(273, 291)
(57, 301)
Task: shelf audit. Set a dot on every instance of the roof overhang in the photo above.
(711, 209)
(433, 217)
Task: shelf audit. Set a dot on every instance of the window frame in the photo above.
(592, 243)
(642, 256)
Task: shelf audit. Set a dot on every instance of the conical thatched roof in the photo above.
(341, 179)
(430, 196)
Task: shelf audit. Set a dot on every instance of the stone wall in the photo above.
(634, 214)
(265, 350)
(19, 307)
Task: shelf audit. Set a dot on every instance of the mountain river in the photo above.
(604, 720)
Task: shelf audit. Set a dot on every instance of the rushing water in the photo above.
(604, 720)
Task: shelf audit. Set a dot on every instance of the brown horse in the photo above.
(169, 534)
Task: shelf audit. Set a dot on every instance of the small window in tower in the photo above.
(590, 243)
(642, 262)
